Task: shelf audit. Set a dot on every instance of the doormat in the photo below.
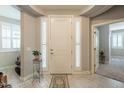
(59, 81)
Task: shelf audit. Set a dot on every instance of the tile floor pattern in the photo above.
(75, 81)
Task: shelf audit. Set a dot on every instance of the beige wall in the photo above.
(29, 41)
(85, 44)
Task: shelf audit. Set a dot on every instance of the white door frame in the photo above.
(49, 17)
(96, 64)
(93, 58)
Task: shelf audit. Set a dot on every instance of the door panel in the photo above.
(60, 45)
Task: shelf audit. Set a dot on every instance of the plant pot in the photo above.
(37, 57)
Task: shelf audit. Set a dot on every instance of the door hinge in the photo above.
(94, 48)
(94, 65)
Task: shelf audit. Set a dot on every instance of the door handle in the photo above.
(51, 53)
(51, 49)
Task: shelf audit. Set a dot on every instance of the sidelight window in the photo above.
(77, 43)
(44, 42)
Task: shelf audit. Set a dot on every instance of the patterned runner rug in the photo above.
(59, 81)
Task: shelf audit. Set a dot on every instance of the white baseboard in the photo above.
(122, 57)
(27, 77)
(7, 67)
(46, 73)
(82, 72)
(74, 72)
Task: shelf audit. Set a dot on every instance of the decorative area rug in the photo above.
(59, 81)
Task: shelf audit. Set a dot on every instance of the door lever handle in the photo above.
(51, 53)
(51, 49)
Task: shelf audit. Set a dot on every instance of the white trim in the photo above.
(108, 22)
(73, 73)
(46, 73)
(7, 67)
(81, 72)
(120, 57)
(9, 50)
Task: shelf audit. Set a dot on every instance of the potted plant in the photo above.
(36, 53)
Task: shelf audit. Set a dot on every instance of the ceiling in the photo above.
(63, 7)
(87, 10)
(77, 10)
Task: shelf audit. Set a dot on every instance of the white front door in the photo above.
(60, 44)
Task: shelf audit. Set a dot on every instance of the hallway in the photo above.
(113, 70)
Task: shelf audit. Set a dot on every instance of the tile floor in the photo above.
(113, 69)
(75, 81)
(93, 81)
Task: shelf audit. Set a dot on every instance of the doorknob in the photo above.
(51, 53)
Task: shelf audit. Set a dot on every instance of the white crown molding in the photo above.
(31, 9)
(89, 11)
(95, 10)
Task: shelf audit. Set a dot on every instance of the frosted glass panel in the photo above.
(44, 55)
(77, 43)
(15, 31)
(77, 55)
(6, 43)
(43, 43)
(77, 32)
(16, 34)
(114, 41)
(6, 30)
(117, 40)
(44, 32)
(120, 41)
(16, 43)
